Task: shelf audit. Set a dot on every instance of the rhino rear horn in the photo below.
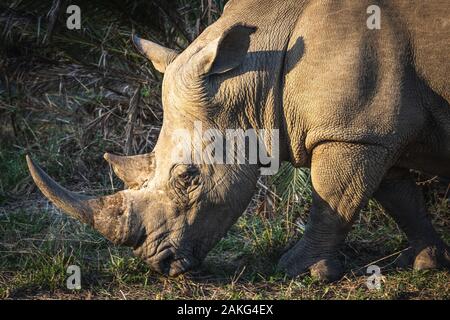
(111, 215)
(133, 170)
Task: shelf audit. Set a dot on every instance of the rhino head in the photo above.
(173, 212)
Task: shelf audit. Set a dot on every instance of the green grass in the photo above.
(38, 244)
(12, 170)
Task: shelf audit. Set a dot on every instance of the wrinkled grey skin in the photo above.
(359, 107)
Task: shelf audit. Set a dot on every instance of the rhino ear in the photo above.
(225, 53)
(160, 56)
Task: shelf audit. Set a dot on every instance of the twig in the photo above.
(381, 259)
(52, 17)
(134, 102)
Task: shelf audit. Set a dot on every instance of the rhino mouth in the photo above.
(168, 260)
(170, 264)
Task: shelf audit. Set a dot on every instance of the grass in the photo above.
(38, 243)
(13, 169)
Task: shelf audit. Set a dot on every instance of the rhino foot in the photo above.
(327, 270)
(294, 264)
(425, 257)
(432, 257)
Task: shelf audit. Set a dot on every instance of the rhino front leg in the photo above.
(403, 200)
(344, 177)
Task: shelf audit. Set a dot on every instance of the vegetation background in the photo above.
(67, 96)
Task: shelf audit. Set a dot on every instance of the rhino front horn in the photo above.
(111, 215)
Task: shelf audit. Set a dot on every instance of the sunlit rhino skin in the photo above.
(360, 107)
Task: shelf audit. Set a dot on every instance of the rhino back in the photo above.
(428, 24)
(354, 84)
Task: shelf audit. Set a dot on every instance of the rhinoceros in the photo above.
(360, 106)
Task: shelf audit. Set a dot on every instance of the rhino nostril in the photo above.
(162, 262)
(164, 266)
(177, 267)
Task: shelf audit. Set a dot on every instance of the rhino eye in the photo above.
(191, 172)
(185, 182)
(185, 176)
